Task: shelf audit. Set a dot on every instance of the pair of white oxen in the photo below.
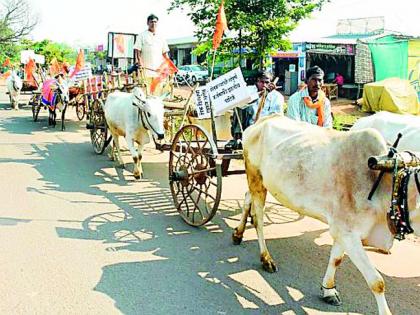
(324, 174)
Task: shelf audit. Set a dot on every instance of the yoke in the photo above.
(402, 165)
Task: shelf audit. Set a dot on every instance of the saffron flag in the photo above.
(80, 63)
(221, 26)
(55, 67)
(7, 63)
(6, 74)
(166, 69)
(29, 71)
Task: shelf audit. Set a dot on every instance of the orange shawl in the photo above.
(319, 106)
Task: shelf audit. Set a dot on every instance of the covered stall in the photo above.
(392, 95)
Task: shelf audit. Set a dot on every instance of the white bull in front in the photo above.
(390, 124)
(323, 174)
(131, 115)
(14, 86)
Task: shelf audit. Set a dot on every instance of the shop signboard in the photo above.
(344, 49)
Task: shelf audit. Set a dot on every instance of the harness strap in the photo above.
(416, 178)
(143, 117)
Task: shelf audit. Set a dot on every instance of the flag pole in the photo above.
(213, 123)
(212, 64)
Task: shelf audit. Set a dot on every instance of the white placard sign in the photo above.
(228, 91)
(25, 55)
(40, 59)
(202, 103)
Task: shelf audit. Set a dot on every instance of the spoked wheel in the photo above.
(194, 177)
(36, 107)
(99, 129)
(80, 109)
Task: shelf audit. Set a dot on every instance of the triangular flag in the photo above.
(29, 71)
(6, 74)
(221, 26)
(80, 63)
(7, 63)
(165, 69)
(55, 67)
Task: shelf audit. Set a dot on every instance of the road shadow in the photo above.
(25, 125)
(207, 274)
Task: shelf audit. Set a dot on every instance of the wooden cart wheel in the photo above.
(99, 130)
(194, 177)
(80, 108)
(36, 106)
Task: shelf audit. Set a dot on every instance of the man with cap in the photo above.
(150, 49)
(310, 104)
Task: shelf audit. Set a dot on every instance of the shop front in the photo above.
(333, 58)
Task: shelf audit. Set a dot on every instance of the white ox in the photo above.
(390, 124)
(323, 174)
(14, 85)
(131, 115)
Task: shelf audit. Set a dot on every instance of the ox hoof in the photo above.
(138, 176)
(269, 266)
(331, 296)
(268, 263)
(332, 300)
(235, 238)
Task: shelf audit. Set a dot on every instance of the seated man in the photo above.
(273, 103)
(310, 103)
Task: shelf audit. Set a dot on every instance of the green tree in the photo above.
(50, 50)
(16, 20)
(263, 25)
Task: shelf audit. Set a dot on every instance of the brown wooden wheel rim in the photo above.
(80, 108)
(195, 178)
(99, 131)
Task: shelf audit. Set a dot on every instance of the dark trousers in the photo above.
(245, 116)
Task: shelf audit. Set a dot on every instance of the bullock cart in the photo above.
(198, 158)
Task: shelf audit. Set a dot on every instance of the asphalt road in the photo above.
(79, 236)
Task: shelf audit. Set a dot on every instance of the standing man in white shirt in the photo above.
(150, 49)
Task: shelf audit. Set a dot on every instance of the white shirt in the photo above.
(152, 46)
(274, 102)
(297, 110)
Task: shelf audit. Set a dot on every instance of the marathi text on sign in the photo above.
(202, 102)
(228, 91)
